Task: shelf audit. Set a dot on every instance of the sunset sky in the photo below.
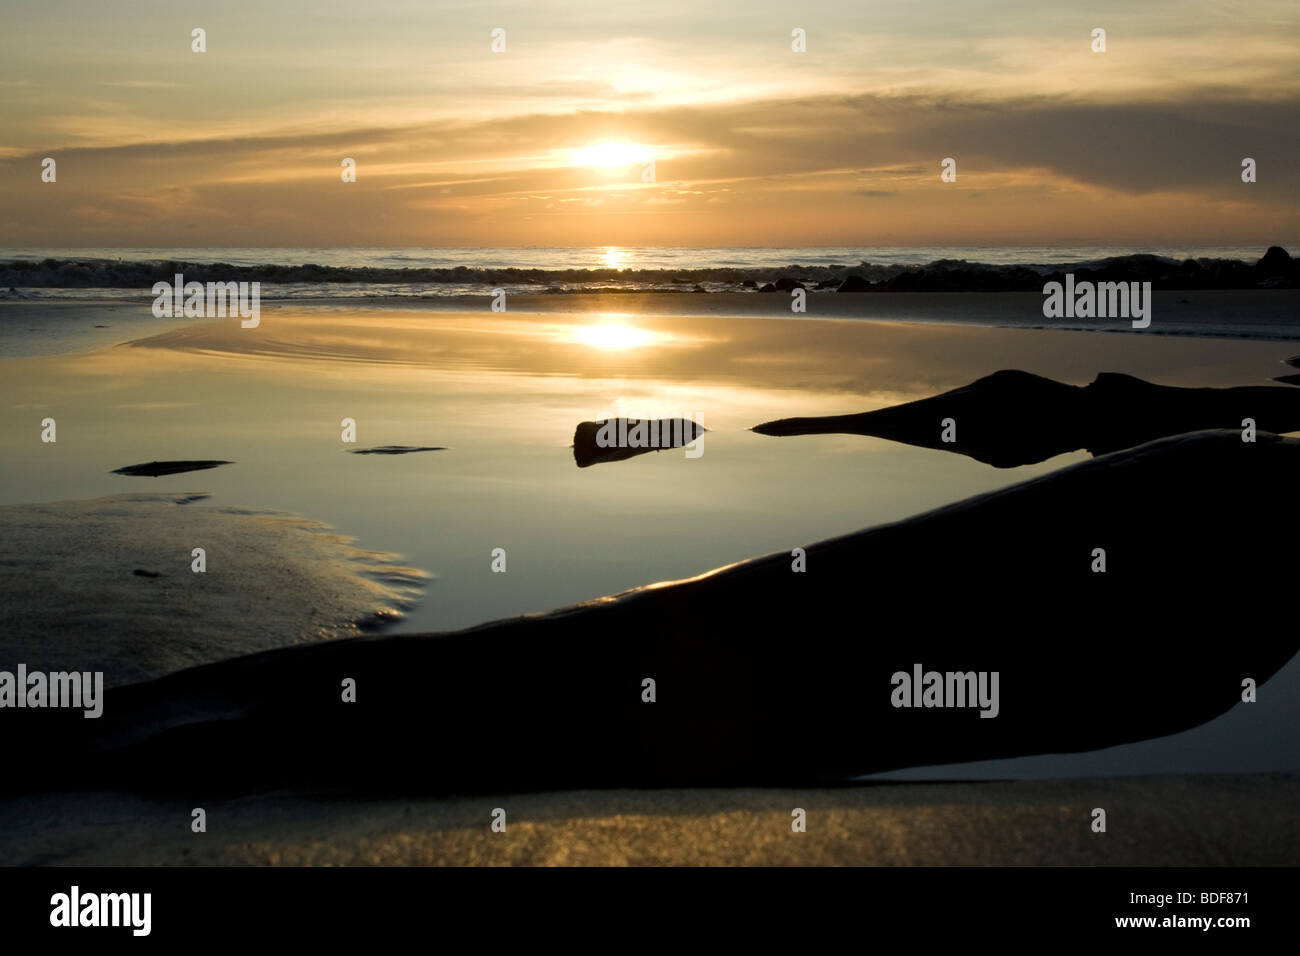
(753, 144)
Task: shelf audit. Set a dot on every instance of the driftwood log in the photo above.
(1013, 418)
(763, 674)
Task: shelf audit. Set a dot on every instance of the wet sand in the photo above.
(1245, 820)
(109, 584)
(502, 394)
(50, 326)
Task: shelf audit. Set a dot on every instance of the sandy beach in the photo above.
(1176, 821)
(406, 540)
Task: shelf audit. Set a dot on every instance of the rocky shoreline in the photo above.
(1276, 269)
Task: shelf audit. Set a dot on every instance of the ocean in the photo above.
(288, 273)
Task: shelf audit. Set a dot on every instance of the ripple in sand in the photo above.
(396, 449)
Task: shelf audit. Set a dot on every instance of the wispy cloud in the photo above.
(752, 143)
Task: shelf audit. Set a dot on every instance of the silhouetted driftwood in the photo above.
(765, 675)
(618, 439)
(1015, 418)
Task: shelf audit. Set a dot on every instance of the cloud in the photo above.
(775, 166)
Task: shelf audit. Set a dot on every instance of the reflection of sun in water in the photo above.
(613, 257)
(613, 335)
(608, 155)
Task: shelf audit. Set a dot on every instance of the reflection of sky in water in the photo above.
(504, 394)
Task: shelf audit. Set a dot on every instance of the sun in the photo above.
(610, 155)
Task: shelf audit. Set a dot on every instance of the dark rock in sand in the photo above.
(786, 284)
(1013, 418)
(663, 432)
(764, 675)
(155, 469)
(396, 449)
(854, 284)
(767, 287)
